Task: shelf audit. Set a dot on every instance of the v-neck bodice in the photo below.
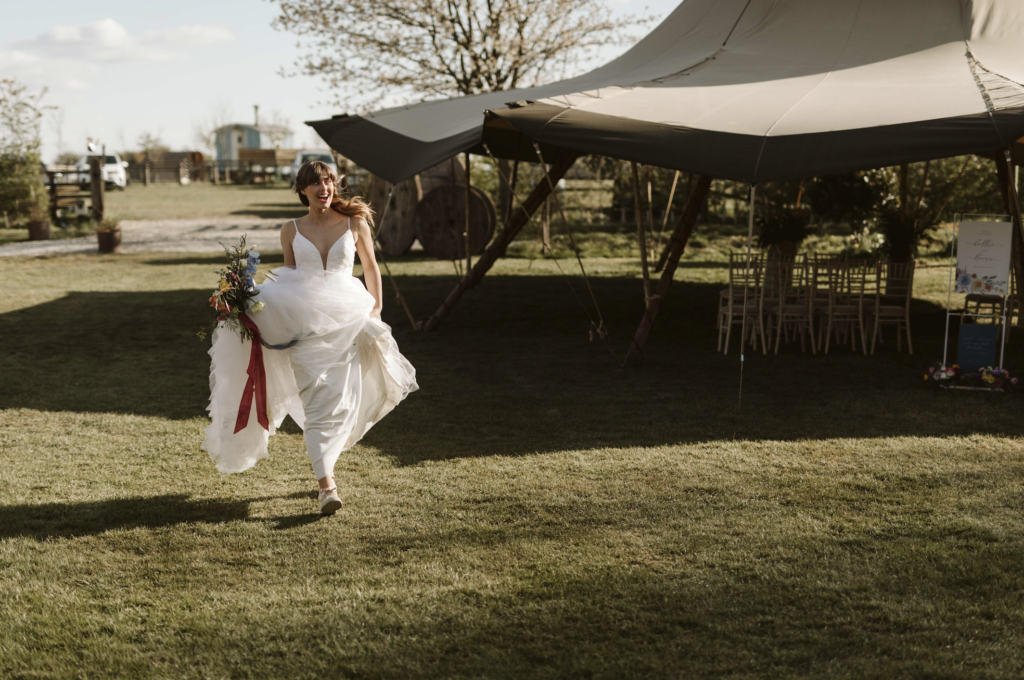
(340, 256)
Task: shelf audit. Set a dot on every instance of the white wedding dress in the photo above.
(336, 373)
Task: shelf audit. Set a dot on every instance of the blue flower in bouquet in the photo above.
(250, 283)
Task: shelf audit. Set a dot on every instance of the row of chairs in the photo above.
(815, 298)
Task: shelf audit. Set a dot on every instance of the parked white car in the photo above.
(114, 171)
(307, 155)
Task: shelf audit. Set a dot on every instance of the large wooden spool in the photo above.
(441, 221)
(396, 230)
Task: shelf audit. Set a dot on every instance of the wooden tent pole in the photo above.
(668, 246)
(676, 245)
(497, 246)
(664, 221)
(640, 234)
(1004, 168)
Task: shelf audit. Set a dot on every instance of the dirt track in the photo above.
(147, 236)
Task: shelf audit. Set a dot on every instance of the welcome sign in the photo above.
(983, 258)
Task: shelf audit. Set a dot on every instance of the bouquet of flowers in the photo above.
(236, 290)
(983, 378)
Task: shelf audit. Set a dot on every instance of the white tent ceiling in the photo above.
(753, 90)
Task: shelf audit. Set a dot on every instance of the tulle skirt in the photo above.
(335, 371)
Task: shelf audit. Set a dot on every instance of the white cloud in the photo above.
(107, 40)
(193, 35)
(42, 72)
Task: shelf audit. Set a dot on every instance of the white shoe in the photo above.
(329, 501)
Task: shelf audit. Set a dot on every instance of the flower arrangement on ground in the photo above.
(236, 290)
(982, 378)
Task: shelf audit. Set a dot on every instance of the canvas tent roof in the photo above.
(753, 90)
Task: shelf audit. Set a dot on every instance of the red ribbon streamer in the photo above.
(256, 386)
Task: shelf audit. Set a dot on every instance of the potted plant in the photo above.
(108, 233)
(38, 225)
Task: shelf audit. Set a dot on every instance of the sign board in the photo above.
(976, 347)
(983, 259)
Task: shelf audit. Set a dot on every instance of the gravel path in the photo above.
(163, 236)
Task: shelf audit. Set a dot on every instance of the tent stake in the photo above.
(496, 248)
(676, 246)
(746, 288)
(640, 234)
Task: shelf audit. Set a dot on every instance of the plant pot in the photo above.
(39, 230)
(110, 241)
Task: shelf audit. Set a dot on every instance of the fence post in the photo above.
(145, 172)
(96, 186)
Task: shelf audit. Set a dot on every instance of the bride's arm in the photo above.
(287, 235)
(371, 272)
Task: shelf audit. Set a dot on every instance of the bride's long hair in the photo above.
(314, 171)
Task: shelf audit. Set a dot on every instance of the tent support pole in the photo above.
(640, 234)
(668, 246)
(1004, 168)
(676, 245)
(664, 222)
(469, 181)
(496, 248)
(746, 289)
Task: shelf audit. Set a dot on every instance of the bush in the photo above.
(782, 224)
(22, 191)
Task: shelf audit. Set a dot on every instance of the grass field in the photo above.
(532, 511)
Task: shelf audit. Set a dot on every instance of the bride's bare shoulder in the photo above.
(360, 229)
(287, 232)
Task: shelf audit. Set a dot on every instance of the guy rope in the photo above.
(387, 269)
(596, 327)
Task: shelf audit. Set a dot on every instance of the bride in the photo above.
(330, 361)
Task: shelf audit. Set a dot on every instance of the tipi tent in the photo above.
(751, 90)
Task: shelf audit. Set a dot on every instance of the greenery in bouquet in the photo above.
(982, 378)
(236, 290)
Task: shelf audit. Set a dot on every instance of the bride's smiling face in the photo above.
(320, 192)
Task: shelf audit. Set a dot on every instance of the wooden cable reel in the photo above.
(440, 221)
(396, 233)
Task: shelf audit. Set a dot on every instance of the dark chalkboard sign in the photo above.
(976, 347)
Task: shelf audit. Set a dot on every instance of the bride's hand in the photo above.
(375, 313)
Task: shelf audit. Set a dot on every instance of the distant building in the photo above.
(235, 136)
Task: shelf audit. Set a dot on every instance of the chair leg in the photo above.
(828, 333)
(877, 333)
(910, 345)
(728, 332)
(899, 340)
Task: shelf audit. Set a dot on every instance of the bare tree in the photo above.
(204, 130)
(366, 50)
(57, 115)
(278, 130)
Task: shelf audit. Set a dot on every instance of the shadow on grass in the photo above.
(512, 371)
(214, 261)
(73, 519)
(270, 212)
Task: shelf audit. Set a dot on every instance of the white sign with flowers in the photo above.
(983, 257)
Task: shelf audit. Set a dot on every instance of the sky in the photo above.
(115, 70)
